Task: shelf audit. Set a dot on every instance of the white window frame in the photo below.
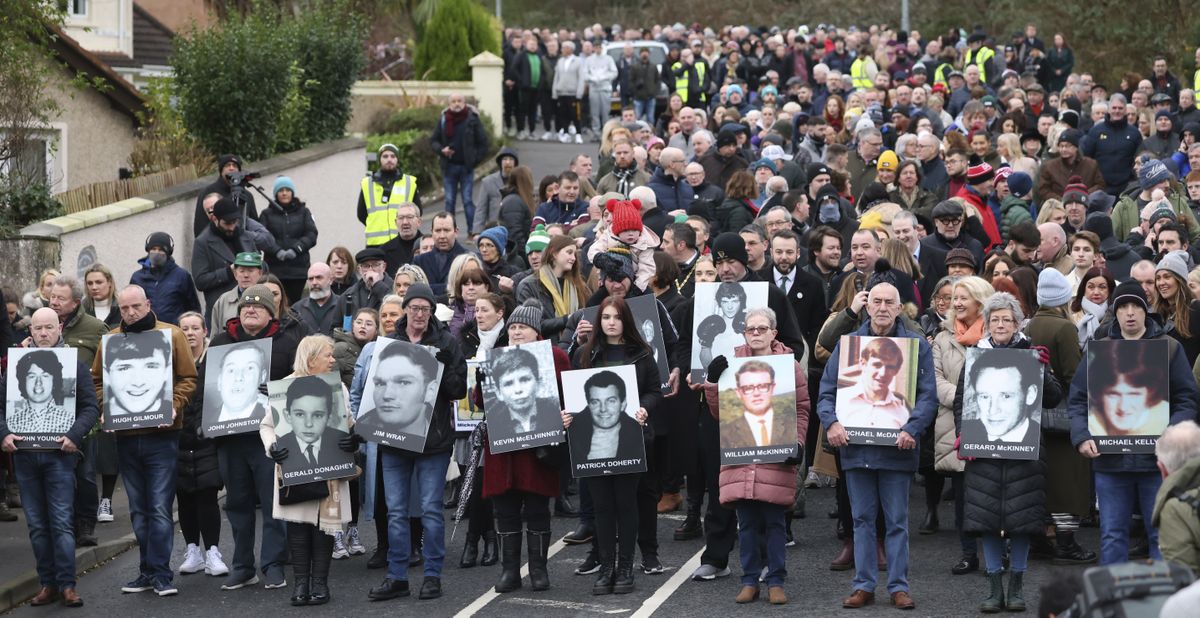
(55, 136)
(71, 5)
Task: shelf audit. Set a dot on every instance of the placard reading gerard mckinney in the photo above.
(41, 395)
(397, 403)
(309, 425)
(604, 437)
(522, 407)
(234, 375)
(138, 380)
(1002, 404)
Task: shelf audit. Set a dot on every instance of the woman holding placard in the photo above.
(618, 342)
(1004, 499)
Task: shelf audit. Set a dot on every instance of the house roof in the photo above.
(151, 42)
(124, 97)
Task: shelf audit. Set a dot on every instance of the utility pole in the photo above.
(498, 2)
(903, 14)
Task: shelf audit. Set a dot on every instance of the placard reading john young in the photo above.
(397, 403)
(41, 395)
(1128, 394)
(645, 316)
(758, 410)
(520, 396)
(139, 379)
(877, 386)
(604, 437)
(720, 310)
(466, 414)
(233, 377)
(1002, 404)
(310, 418)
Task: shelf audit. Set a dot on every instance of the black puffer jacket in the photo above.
(293, 228)
(1006, 496)
(440, 437)
(198, 468)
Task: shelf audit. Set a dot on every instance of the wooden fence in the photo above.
(97, 194)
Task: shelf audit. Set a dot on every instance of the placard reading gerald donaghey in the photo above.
(310, 418)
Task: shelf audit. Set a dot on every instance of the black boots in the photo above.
(968, 563)
(930, 524)
(510, 562)
(539, 546)
(322, 549)
(623, 581)
(490, 555)
(1015, 601)
(301, 558)
(606, 579)
(691, 528)
(470, 555)
(1067, 551)
(995, 602)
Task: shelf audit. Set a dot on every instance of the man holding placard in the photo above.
(1104, 392)
(47, 477)
(879, 475)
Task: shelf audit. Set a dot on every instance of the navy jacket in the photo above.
(672, 193)
(436, 265)
(555, 211)
(1113, 146)
(170, 289)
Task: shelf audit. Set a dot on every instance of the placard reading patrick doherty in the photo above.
(604, 437)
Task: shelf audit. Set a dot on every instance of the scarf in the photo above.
(987, 344)
(487, 339)
(564, 297)
(968, 334)
(625, 179)
(1092, 315)
(451, 119)
(146, 323)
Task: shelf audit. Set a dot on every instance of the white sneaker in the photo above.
(193, 560)
(578, 138)
(104, 513)
(708, 572)
(571, 129)
(353, 545)
(213, 564)
(523, 135)
(563, 137)
(339, 546)
(511, 131)
(547, 136)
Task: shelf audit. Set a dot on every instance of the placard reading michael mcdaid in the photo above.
(1002, 404)
(520, 398)
(41, 395)
(139, 380)
(758, 410)
(1129, 403)
(877, 386)
(234, 375)
(402, 387)
(310, 419)
(604, 437)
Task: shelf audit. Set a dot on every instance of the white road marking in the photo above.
(571, 605)
(491, 594)
(664, 592)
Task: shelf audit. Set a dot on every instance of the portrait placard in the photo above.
(720, 319)
(645, 315)
(402, 387)
(520, 395)
(310, 418)
(467, 415)
(877, 387)
(1129, 402)
(139, 380)
(1002, 404)
(234, 377)
(604, 436)
(41, 395)
(758, 410)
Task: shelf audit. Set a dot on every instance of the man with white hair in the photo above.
(671, 190)
(1053, 250)
(1178, 501)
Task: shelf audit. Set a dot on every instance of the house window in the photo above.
(32, 162)
(74, 8)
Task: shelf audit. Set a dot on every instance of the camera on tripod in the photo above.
(240, 178)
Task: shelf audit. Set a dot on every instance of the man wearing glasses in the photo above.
(759, 424)
(948, 221)
(402, 248)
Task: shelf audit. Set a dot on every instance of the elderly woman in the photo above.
(312, 524)
(963, 328)
(761, 493)
(1017, 511)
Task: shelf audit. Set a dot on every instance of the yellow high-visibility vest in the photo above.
(858, 74)
(681, 82)
(980, 58)
(942, 73)
(381, 214)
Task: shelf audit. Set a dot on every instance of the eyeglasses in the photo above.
(757, 330)
(418, 309)
(753, 389)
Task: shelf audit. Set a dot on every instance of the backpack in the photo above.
(1129, 590)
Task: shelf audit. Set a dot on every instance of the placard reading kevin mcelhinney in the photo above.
(233, 377)
(758, 410)
(41, 395)
(1002, 404)
(877, 385)
(397, 403)
(1129, 403)
(138, 380)
(310, 418)
(604, 437)
(520, 397)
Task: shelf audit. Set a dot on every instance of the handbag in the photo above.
(305, 492)
(1056, 420)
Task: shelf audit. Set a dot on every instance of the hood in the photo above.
(507, 152)
(167, 266)
(1154, 328)
(1177, 481)
(233, 328)
(1114, 250)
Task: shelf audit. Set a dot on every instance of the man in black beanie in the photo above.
(227, 164)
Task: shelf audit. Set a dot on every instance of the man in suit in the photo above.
(759, 424)
(405, 385)
(604, 430)
(517, 380)
(931, 260)
(313, 440)
(805, 293)
(1007, 400)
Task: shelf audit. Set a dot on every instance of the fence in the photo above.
(97, 194)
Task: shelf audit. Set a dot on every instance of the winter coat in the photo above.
(733, 215)
(609, 182)
(642, 251)
(519, 72)
(170, 290)
(922, 201)
(211, 259)
(332, 318)
(672, 193)
(1113, 146)
(84, 332)
(531, 287)
(1059, 64)
(773, 483)
(345, 351)
(516, 218)
(294, 228)
(949, 356)
(1162, 146)
(1184, 396)
(718, 169)
(1059, 335)
(1176, 510)
(361, 295)
(1126, 214)
(473, 140)
(183, 384)
(440, 437)
(924, 409)
(568, 77)
(198, 468)
(1013, 210)
(219, 186)
(644, 79)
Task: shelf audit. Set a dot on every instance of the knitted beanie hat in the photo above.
(626, 215)
(539, 239)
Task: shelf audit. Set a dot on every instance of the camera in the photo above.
(240, 178)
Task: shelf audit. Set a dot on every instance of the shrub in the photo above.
(21, 206)
(416, 155)
(458, 31)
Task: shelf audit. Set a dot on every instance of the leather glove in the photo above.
(480, 376)
(277, 453)
(444, 356)
(351, 441)
(1043, 354)
(285, 254)
(716, 367)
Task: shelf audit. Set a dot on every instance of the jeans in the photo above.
(147, 463)
(754, 519)
(430, 477)
(249, 477)
(47, 481)
(644, 110)
(868, 490)
(600, 100)
(460, 176)
(993, 553)
(87, 497)
(1116, 493)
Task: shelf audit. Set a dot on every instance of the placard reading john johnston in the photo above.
(1002, 404)
(604, 437)
(138, 380)
(309, 422)
(876, 387)
(1128, 394)
(41, 395)
(397, 403)
(758, 410)
(233, 377)
(520, 397)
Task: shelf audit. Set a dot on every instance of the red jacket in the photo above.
(520, 470)
(985, 215)
(771, 483)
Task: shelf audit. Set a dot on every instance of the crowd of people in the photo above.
(965, 191)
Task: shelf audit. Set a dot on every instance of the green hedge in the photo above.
(410, 130)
